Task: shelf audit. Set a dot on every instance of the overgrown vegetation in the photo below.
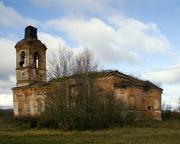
(6, 115)
(170, 114)
(74, 101)
(156, 132)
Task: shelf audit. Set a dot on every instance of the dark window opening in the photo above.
(22, 59)
(150, 107)
(19, 109)
(36, 60)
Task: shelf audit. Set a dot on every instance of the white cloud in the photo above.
(7, 84)
(171, 94)
(172, 90)
(119, 39)
(7, 55)
(6, 100)
(52, 42)
(136, 34)
(170, 75)
(10, 17)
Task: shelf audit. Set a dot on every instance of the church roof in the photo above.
(126, 80)
(129, 81)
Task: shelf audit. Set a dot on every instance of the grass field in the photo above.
(166, 132)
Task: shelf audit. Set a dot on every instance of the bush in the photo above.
(7, 114)
(170, 115)
(90, 108)
(130, 117)
(28, 120)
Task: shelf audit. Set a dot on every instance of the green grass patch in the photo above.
(153, 132)
(141, 132)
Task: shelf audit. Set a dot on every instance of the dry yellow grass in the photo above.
(167, 132)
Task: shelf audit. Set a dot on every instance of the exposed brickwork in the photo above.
(145, 100)
(28, 100)
(28, 94)
(31, 67)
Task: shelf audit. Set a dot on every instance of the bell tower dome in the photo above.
(30, 59)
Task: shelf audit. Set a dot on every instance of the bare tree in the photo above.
(73, 98)
(85, 62)
(61, 64)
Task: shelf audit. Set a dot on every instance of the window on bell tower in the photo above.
(36, 60)
(22, 59)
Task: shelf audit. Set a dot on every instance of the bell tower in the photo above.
(30, 59)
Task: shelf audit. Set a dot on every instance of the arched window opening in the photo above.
(36, 60)
(22, 59)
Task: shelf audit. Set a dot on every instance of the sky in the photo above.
(137, 37)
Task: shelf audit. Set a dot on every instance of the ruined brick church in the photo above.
(141, 96)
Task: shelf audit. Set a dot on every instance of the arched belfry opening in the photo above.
(36, 60)
(22, 59)
(31, 59)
